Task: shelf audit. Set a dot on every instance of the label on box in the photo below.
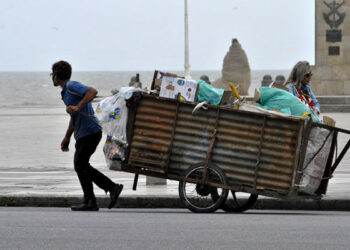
(172, 86)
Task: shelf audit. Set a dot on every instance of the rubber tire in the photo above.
(218, 202)
(232, 207)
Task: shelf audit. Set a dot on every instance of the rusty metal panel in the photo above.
(236, 150)
(192, 136)
(247, 160)
(154, 121)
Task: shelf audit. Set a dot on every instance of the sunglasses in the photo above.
(308, 75)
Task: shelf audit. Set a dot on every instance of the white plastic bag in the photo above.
(316, 157)
(114, 152)
(112, 114)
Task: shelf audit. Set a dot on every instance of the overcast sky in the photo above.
(148, 34)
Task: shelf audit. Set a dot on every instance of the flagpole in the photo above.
(187, 63)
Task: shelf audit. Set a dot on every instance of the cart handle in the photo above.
(340, 157)
(136, 178)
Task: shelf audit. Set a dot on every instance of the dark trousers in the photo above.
(87, 175)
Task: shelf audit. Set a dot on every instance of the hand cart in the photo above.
(220, 150)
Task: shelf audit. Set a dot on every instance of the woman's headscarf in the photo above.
(298, 73)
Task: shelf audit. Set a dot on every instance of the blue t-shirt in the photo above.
(84, 122)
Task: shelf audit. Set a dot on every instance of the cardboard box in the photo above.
(328, 121)
(171, 87)
(227, 98)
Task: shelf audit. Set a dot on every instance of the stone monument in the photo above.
(235, 69)
(331, 73)
(280, 79)
(135, 81)
(266, 81)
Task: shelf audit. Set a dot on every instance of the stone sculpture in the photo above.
(135, 81)
(235, 69)
(280, 79)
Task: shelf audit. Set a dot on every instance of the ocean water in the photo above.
(33, 119)
(34, 89)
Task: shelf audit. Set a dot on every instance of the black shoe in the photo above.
(86, 207)
(114, 194)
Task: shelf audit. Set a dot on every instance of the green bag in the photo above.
(208, 93)
(284, 101)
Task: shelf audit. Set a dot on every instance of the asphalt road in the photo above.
(59, 228)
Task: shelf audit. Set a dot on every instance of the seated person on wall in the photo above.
(205, 78)
(298, 84)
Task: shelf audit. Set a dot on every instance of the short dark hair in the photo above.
(62, 70)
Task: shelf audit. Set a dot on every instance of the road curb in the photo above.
(67, 201)
(170, 202)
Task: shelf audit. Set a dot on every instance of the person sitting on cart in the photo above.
(87, 133)
(298, 84)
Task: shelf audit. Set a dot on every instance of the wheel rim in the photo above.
(199, 195)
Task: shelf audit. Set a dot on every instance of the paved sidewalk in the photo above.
(61, 189)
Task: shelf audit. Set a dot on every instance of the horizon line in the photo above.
(135, 70)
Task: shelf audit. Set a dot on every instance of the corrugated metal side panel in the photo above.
(192, 137)
(236, 150)
(153, 128)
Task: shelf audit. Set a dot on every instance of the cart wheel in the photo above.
(239, 202)
(198, 197)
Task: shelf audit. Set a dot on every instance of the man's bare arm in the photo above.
(88, 97)
(66, 139)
